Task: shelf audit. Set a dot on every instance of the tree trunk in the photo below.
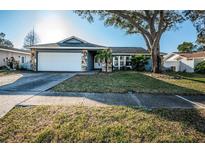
(105, 65)
(156, 60)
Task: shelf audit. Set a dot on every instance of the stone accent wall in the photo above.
(84, 60)
(33, 59)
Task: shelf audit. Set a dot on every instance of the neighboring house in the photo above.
(21, 56)
(75, 54)
(183, 62)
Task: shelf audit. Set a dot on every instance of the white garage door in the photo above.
(52, 61)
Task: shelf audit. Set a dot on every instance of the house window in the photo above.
(121, 57)
(116, 63)
(128, 58)
(22, 60)
(122, 63)
(116, 58)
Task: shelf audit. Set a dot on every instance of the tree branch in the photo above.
(133, 22)
(147, 42)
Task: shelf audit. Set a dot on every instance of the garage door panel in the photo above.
(52, 61)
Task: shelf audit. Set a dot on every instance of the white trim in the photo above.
(9, 50)
(72, 37)
(129, 54)
(83, 48)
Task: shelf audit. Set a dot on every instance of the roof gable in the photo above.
(72, 39)
(171, 57)
(70, 43)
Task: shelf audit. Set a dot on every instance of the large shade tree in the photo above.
(151, 24)
(198, 19)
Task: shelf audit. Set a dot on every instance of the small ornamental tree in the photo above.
(200, 67)
(104, 55)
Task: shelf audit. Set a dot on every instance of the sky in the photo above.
(54, 26)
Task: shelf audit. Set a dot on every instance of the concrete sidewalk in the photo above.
(149, 101)
(10, 99)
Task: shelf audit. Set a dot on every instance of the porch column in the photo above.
(84, 60)
(124, 60)
(118, 62)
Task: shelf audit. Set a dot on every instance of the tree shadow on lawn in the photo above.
(188, 76)
(154, 85)
(192, 117)
(188, 117)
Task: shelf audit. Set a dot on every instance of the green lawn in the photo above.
(101, 124)
(191, 76)
(4, 72)
(124, 81)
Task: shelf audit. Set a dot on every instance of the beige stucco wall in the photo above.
(17, 57)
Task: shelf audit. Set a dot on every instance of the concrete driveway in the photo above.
(17, 88)
(32, 82)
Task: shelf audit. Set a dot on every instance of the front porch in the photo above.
(119, 62)
(93, 63)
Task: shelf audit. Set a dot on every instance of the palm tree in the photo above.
(104, 55)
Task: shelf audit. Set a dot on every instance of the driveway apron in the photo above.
(17, 88)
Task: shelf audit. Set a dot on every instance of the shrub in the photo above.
(139, 62)
(200, 67)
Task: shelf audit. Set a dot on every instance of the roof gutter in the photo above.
(89, 48)
(21, 52)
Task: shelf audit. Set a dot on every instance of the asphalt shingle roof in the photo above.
(15, 49)
(198, 54)
(66, 43)
(74, 42)
(128, 50)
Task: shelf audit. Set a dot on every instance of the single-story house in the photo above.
(23, 57)
(183, 62)
(75, 54)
